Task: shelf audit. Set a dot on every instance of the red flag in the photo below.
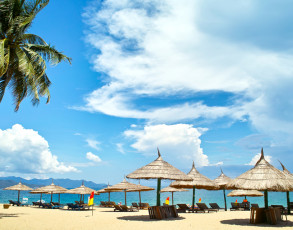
(199, 200)
(91, 200)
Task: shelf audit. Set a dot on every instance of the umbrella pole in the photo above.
(193, 198)
(59, 199)
(172, 198)
(125, 197)
(109, 196)
(288, 203)
(51, 196)
(18, 195)
(139, 198)
(266, 199)
(41, 198)
(158, 192)
(225, 199)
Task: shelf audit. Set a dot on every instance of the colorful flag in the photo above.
(167, 201)
(236, 201)
(91, 200)
(199, 200)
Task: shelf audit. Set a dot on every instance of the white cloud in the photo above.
(25, 151)
(178, 142)
(256, 158)
(92, 157)
(120, 148)
(93, 143)
(156, 47)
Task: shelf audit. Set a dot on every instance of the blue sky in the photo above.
(203, 81)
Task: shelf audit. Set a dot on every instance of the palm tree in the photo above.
(23, 55)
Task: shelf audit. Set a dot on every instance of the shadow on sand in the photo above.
(245, 222)
(3, 215)
(146, 218)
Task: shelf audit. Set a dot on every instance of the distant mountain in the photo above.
(35, 183)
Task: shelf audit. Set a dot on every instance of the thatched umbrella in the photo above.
(286, 171)
(262, 177)
(172, 190)
(158, 169)
(245, 193)
(141, 188)
(106, 191)
(82, 190)
(18, 187)
(222, 180)
(123, 186)
(52, 189)
(199, 181)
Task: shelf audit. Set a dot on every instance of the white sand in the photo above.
(33, 218)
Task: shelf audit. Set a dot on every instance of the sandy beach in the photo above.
(33, 218)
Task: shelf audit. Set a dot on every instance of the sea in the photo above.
(274, 198)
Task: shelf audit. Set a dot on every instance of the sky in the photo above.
(201, 80)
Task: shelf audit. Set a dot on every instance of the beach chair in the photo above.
(135, 205)
(235, 207)
(36, 203)
(145, 205)
(14, 202)
(254, 206)
(24, 201)
(57, 205)
(103, 204)
(183, 208)
(203, 207)
(128, 209)
(74, 206)
(245, 205)
(111, 204)
(215, 206)
(117, 208)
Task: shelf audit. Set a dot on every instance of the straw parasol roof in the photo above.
(104, 191)
(172, 189)
(241, 192)
(123, 186)
(222, 180)
(198, 181)
(18, 187)
(158, 169)
(262, 177)
(81, 190)
(52, 189)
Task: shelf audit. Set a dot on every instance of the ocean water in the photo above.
(150, 197)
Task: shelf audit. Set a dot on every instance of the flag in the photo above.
(167, 201)
(236, 201)
(199, 200)
(91, 200)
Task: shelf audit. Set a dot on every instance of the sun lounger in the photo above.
(74, 206)
(203, 207)
(215, 206)
(103, 204)
(117, 208)
(128, 209)
(135, 205)
(245, 205)
(14, 202)
(183, 208)
(144, 205)
(254, 206)
(236, 207)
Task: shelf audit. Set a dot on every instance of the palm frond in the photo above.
(32, 39)
(49, 53)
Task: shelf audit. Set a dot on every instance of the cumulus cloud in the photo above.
(159, 48)
(26, 151)
(178, 142)
(92, 157)
(256, 158)
(93, 143)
